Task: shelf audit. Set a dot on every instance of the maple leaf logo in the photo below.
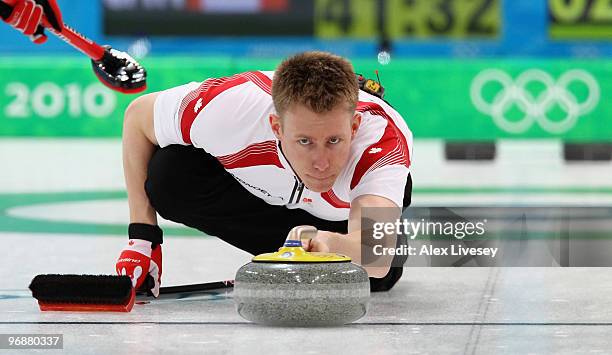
(198, 106)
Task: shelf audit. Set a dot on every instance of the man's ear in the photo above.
(275, 124)
(355, 123)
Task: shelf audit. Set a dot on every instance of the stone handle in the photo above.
(295, 236)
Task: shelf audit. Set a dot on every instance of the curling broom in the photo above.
(115, 69)
(99, 293)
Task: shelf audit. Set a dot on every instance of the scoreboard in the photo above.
(349, 19)
(327, 19)
(580, 19)
(400, 18)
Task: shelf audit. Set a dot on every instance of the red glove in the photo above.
(28, 15)
(137, 261)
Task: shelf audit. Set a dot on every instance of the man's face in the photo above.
(317, 145)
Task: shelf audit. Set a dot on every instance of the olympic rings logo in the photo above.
(534, 108)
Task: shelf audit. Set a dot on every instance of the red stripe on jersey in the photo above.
(391, 148)
(260, 79)
(196, 100)
(334, 200)
(263, 153)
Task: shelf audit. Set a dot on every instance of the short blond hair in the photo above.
(318, 80)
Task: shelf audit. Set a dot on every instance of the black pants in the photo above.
(189, 186)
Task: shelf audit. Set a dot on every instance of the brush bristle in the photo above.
(82, 289)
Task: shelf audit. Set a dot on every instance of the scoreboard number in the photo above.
(407, 18)
(580, 18)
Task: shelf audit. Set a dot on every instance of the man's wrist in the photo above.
(333, 240)
(148, 232)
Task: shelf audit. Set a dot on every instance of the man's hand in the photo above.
(321, 243)
(138, 260)
(28, 15)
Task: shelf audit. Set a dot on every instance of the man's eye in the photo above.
(334, 140)
(304, 141)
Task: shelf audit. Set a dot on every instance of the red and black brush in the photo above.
(101, 293)
(83, 293)
(115, 69)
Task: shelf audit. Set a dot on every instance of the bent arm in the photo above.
(139, 143)
(351, 244)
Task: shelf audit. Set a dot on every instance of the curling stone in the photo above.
(293, 287)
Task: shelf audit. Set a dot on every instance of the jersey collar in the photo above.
(284, 162)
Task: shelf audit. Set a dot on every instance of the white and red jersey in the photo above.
(229, 119)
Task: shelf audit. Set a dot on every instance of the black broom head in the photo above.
(82, 289)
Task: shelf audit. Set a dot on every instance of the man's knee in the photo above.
(386, 283)
(163, 185)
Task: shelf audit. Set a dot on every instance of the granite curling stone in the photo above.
(293, 287)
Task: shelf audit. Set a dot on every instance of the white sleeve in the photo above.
(165, 114)
(387, 181)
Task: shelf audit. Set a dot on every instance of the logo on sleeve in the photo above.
(375, 150)
(198, 106)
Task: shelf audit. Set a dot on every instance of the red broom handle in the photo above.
(72, 37)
